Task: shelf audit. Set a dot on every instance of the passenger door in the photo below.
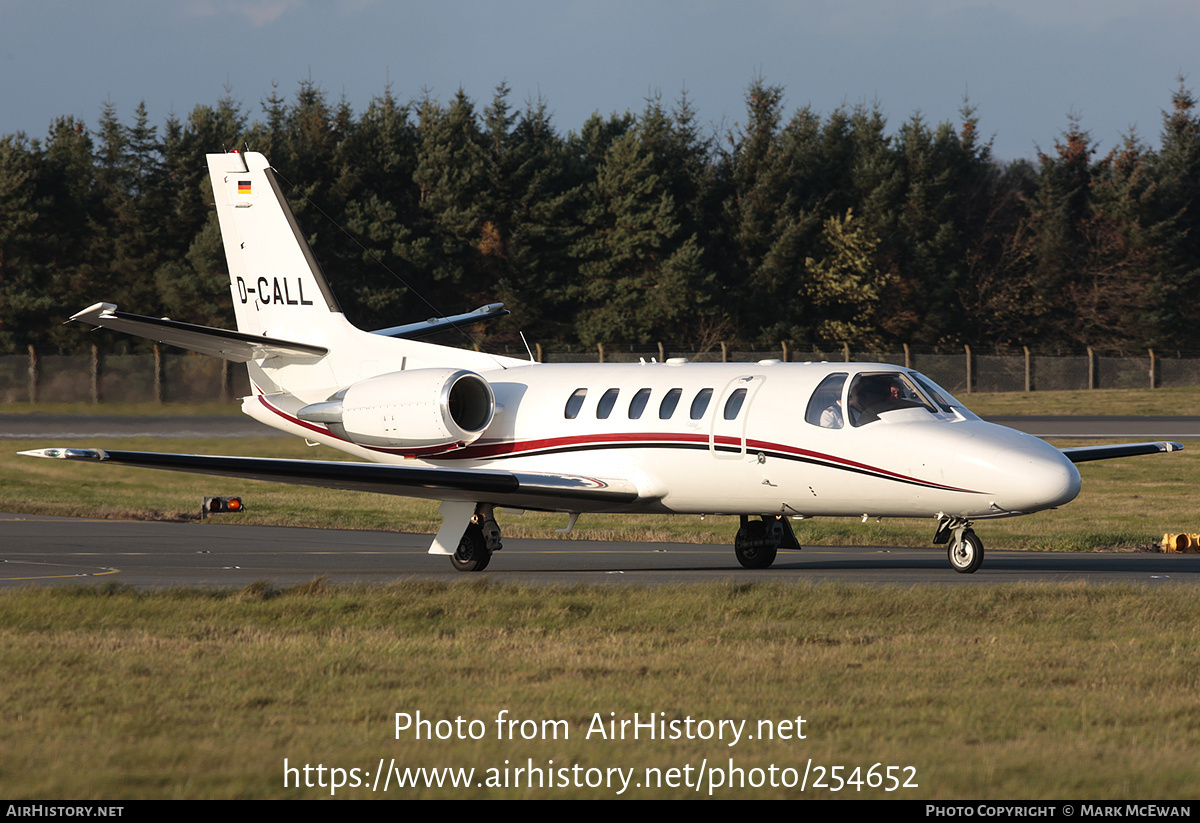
(727, 437)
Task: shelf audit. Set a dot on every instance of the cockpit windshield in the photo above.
(870, 394)
(874, 393)
(944, 400)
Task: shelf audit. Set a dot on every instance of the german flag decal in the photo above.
(243, 187)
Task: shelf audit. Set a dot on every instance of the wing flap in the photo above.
(529, 489)
(230, 345)
(1084, 454)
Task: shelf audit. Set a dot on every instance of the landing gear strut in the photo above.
(481, 538)
(758, 541)
(964, 549)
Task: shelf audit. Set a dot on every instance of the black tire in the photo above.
(750, 556)
(965, 556)
(472, 554)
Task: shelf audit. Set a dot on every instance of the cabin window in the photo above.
(733, 406)
(638, 404)
(667, 407)
(825, 405)
(700, 403)
(574, 404)
(873, 394)
(607, 401)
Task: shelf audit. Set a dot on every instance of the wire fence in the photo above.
(121, 378)
(191, 378)
(965, 371)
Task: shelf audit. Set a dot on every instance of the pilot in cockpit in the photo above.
(873, 394)
(868, 395)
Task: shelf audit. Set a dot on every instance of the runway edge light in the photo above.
(221, 505)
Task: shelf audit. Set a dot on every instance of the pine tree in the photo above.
(22, 300)
(378, 160)
(539, 220)
(455, 203)
(639, 279)
(1055, 233)
(1176, 204)
(844, 285)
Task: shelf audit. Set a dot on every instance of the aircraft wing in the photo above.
(230, 345)
(530, 490)
(1083, 454)
(413, 331)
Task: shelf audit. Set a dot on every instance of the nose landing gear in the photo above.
(964, 549)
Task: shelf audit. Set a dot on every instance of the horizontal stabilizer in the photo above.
(500, 487)
(230, 345)
(412, 331)
(1083, 454)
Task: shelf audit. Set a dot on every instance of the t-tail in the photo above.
(298, 346)
(280, 292)
(277, 286)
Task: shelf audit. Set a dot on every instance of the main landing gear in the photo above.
(964, 549)
(758, 541)
(481, 538)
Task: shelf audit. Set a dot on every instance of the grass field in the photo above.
(986, 693)
(996, 692)
(1181, 401)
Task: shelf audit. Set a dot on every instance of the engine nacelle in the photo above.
(427, 410)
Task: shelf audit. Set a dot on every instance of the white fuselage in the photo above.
(766, 459)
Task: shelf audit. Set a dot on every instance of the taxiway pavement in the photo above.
(37, 551)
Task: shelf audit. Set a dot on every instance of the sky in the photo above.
(1027, 66)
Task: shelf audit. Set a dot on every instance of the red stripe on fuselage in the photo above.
(525, 448)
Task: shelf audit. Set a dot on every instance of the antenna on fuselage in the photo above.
(527, 349)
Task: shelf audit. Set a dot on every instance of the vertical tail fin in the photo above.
(277, 285)
(280, 292)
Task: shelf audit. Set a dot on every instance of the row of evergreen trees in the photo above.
(809, 228)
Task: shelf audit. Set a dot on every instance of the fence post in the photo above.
(33, 375)
(970, 371)
(907, 357)
(1091, 368)
(1028, 370)
(96, 374)
(1153, 370)
(158, 375)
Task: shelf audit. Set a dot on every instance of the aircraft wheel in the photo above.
(749, 555)
(472, 554)
(966, 554)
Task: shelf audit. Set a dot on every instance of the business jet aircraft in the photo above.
(766, 441)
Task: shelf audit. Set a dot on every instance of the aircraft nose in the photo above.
(1033, 479)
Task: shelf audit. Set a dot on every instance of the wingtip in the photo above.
(95, 311)
(66, 454)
